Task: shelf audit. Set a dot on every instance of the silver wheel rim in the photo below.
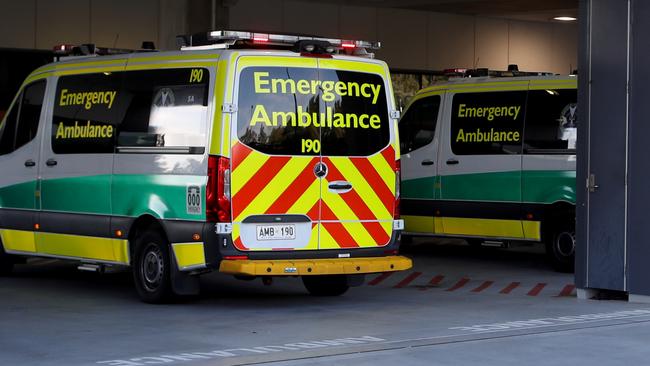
(152, 268)
(565, 244)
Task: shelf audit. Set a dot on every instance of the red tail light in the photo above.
(217, 207)
(398, 180)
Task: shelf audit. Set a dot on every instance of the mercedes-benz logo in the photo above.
(320, 170)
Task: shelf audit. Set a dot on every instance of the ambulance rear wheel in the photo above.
(151, 268)
(331, 285)
(561, 244)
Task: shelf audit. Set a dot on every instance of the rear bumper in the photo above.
(309, 267)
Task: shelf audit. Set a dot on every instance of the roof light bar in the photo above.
(229, 38)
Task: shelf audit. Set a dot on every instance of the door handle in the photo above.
(427, 162)
(30, 163)
(452, 162)
(340, 186)
(51, 162)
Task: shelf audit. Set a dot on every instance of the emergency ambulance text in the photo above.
(489, 112)
(87, 99)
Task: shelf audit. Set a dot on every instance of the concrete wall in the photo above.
(115, 23)
(422, 40)
(411, 39)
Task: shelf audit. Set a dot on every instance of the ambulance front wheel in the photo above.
(151, 268)
(330, 285)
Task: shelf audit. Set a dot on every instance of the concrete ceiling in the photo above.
(534, 10)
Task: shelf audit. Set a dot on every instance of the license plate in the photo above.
(276, 232)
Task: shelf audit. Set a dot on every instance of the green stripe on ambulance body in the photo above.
(537, 186)
(161, 195)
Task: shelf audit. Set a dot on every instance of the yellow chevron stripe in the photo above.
(384, 170)
(338, 206)
(246, 170)
(272, 189)
(326, 239)
(361, 186)
(360, 234)
(307, 200)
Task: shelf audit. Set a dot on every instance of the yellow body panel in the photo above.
(18, 240)
(189, 255)
(532, 230)
(83, 247)
(308, 267)
(483, 227)
(419, 224)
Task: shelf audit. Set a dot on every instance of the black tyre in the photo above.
(561, 245)
(151, 268)
(406, 240)
(332, 285)
(6, 264)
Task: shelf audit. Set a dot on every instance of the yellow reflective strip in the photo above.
(271, 190)
(361, 186)
(307, 200)
(182, 57)
(489, 89)
(33, 78)
(358, 66)
(418, 224)
(483, 227)
(169, 65)
(246, 170)
(221, 122)
(384, 170)
(88, 71)
(23, 241)
(532, 230)
(82, 247)
(189, 255)
(286, 61)
(437, 225)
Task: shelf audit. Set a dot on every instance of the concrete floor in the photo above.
(458, 306)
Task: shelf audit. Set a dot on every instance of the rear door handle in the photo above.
(340, 186)
(452, 162)
(30, 163)
(51, 162)
(427, 162)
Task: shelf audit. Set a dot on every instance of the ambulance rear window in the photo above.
(308, 111)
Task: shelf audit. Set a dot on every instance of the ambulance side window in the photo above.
(551, 122)
(165, 108)
(489, 123)
(22, 121)
(418, 126)
(86, 111)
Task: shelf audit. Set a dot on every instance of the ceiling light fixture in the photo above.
(565, 19)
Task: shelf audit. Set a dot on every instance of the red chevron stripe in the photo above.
(294, 190)
(254, 186)
(389, 154)
(239, 153)
(239, 245)
(352, 198)
(314, 213)
(337, 230)
(376, 183)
